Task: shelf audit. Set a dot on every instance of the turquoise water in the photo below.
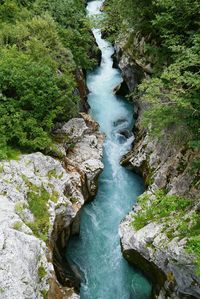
(96, 252)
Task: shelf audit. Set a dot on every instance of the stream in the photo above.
(96, 251)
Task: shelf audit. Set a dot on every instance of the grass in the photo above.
(52, 174)
(37, 198)
(175, 213)
(1, 290)
(161, 207)
(41, 272)
(17, 225)
(44, 294)
(1, 168)
(193, 247)
(37, 201)
(19, 207)
(74, 200)
(9, 153)
(54, 196)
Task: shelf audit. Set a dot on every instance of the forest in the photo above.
(42, 43)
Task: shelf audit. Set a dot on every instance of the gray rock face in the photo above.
(75, 296)
(26, 270)
(74, 129)
(166, 261)
(163, 166)
(132, 72)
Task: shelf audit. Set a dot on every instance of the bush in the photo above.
(38, 59)
(32, 98)
(166, 35)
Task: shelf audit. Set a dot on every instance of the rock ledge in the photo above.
(31, 268)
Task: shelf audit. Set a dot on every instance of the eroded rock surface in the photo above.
(28, 248)
(165, 261)
(163, 165)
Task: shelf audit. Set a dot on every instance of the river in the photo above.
(96, 251)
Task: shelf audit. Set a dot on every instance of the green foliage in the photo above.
(33, 97)
(41, 272)
(161, 207)
(44, 294)
(17, 225)
(165, 34)
(193, 246)
(9, 10)
(175, 97)
(37, 201)
(74, 27)
(7, 152)
(175, 214)
(19, 207)
(42, 43)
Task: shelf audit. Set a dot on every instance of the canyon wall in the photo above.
(157, 247)
(41, 198)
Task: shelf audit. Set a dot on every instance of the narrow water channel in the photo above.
(96, 252)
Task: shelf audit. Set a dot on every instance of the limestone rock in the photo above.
(26, 270)
(165, 261)
(163, 166)
(75, 296)
(74, 129)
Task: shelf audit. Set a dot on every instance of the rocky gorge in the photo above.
(156, 247)
(33, 237)
(42, 197)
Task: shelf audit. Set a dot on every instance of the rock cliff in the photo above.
(40, 198)
(158, 247)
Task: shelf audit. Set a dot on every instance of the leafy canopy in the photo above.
(167, 34)
(41, 45)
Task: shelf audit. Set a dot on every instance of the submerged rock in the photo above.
(32, 247)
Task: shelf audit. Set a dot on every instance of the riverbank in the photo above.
(160, 245)
(40, 199)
